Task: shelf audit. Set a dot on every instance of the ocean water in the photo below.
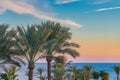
(98, 67)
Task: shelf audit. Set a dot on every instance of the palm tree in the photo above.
(73, 69)
(61, 63)
(11, 72)
(104, 75)
(58, 72)
(68, 76)
(14, 69)
(88, 68)
(95, 75)
(8, 49)
(58, 42)
(117, 70)
(30, 43)
(61, 60)
(85, 72)
(40, 71)
(3, 76)
(81, 74)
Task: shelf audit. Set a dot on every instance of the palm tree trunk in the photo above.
(40, 77)
(30, 73)
(117, 76)
(49, 68)
(74, 76)
(88, 79)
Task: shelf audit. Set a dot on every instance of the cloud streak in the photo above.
(106, 9)
(103, 9)
(22, 7)
(101, 1)
(65, 1)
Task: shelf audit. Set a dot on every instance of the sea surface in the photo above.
(98, 67)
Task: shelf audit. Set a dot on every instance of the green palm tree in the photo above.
(62, 63)
(104, 75)
(3, 76)
(39, 72)
(88, 68)
(68, 76)
(30, 42)
(58, 72)
(85, 72)
(11, 72)
(8, 49)
(117, 70)
(81, 74)
(95, 75)
(61, 60)
(73, 69)
(58, 42)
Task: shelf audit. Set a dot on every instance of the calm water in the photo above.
(98, 67)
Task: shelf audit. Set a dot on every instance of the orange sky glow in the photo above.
(101, 49)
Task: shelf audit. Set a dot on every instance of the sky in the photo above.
(95, 24)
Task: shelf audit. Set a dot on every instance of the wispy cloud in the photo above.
(65, 1)
(103, 9)
(23, 7)
(101, 1)
(110, 8)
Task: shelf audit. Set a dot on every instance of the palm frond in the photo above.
(8, 45)
(70, 51)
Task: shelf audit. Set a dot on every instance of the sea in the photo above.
(97, 67)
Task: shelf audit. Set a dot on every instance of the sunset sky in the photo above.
(95, 24)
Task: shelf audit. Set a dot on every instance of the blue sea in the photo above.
(98, 67)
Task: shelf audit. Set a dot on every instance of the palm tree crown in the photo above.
(117, 70)
(95, 75)
(8, 48)
(30, 43)
(58, 42)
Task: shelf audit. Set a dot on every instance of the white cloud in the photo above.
(110, 8)
(65, 1)
(22, 7)
(101, 1)
(103, 9)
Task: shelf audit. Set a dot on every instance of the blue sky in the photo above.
(93, 22)
(72, 13)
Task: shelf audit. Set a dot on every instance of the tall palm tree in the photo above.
(117, 70)
(40, 71)
(8, 49)
(95, 75)
(58, 42)
(30, 43)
